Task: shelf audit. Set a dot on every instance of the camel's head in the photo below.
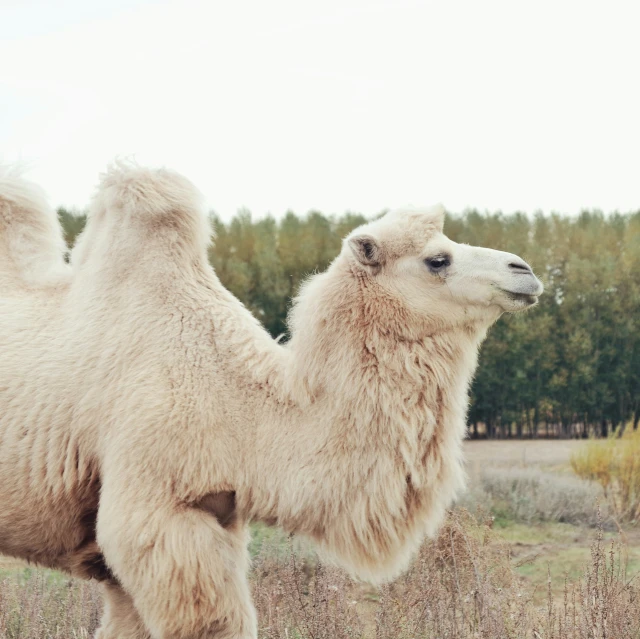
(411, 259)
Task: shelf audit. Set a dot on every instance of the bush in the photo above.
(615, 464)
(530, 495)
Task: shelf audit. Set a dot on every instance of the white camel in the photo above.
(146, 417)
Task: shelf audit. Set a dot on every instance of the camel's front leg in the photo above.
(184, 568)
(120, 619)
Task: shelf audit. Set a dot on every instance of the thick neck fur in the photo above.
(369, 455)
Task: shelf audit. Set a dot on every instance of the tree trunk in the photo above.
(519, 424)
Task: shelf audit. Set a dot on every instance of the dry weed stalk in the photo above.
(40, 605)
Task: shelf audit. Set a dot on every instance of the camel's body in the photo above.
(146, 417)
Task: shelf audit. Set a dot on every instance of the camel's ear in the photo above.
(366, 250)
(438, 216)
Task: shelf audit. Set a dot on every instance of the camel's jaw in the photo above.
(522, 295)
(518, 289)
(514, 302)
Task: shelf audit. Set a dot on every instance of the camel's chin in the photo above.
(516, 302)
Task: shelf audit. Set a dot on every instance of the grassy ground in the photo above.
(562, 548)
(9, 566)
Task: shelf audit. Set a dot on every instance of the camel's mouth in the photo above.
(520, 300)
(520, 292)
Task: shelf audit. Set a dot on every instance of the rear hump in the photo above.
(32, 246)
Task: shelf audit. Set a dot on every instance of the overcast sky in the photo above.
(332, 105)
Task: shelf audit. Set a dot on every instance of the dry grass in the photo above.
(463, 585)
(530, 481)
(615, 464)
(39, 604)
(530, 495)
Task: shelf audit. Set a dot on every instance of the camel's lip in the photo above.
(528, 299)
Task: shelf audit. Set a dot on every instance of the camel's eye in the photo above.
(438, 263)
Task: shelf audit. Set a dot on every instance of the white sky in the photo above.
(335, 104)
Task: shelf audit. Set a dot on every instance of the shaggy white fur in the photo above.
(146, 417)
(31, 241)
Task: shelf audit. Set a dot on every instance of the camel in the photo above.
(146, 417)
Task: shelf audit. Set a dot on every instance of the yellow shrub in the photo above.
(615, 464)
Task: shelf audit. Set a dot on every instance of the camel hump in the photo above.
(146, 203)
(32, 245)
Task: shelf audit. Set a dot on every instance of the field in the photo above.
(514, 568)
(562, 546)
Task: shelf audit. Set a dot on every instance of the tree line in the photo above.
(569, 368)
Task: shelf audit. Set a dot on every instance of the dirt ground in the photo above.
(548, 454)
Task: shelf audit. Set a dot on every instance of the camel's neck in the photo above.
(353, 342)
(378, 427)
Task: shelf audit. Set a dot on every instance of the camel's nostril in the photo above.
(521, 267)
